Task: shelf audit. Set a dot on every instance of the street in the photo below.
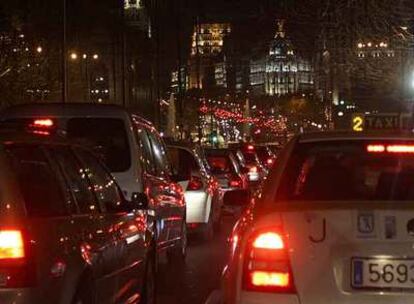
(201, 275)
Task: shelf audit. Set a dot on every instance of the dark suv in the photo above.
(67, 235)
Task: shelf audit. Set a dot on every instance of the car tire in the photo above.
(149, 293)
(178, 253)
(86, 291)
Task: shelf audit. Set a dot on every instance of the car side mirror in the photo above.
(237, 198)
(139, 201)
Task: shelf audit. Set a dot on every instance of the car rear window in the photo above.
(250, 158)
(39, 182)
(262, 153)
(219, 164)
(349, 171)
(108, 137)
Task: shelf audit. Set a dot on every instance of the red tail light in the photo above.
(11, 244)
(267, 266)
(45, 123)
(395, 149)
(195, 184)
(254, 169)
(270, 161)
(16, 262)
(250, 148)
(236, 182)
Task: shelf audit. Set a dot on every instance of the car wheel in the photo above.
(179, 252)
(149, 294)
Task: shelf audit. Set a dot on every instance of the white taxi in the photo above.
(334, 225)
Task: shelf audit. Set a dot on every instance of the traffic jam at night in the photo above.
(206, 152)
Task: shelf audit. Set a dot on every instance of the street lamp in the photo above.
(73, 56)
(95, 56)
(39, 49)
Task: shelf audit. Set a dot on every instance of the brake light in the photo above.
(397, 149)
(400, 149)
(375, 148)
(263, 278)
(250, 148)
(236, 183)
(254, 169)
(270, 161)
(45, 123)
(266, 265)
(17, 264)
(11, 244)
(269, 240)
(195, 184)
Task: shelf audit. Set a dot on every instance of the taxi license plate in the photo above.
(382, 273)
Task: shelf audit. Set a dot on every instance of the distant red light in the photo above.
(270, 161)
(375, 148)
(396, 149)
(42, 133)
(235, 183)
(400, 149)
(46, 123)
(250, 147)
(254, 169)
(195, 184)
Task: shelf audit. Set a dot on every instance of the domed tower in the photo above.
(281, 65)
(280, 46)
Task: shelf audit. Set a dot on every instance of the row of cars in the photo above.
(92, 196)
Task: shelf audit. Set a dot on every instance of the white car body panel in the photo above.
(266, 298)
(198, 204)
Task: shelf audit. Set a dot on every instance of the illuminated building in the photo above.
(136, 15)
(209, 38)
(207, 67)
(285, 72)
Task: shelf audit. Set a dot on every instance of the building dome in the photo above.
(280, 47)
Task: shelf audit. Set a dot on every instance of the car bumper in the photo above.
(198, 207)
(267, 298)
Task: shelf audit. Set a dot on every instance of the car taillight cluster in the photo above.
(195, 184)
(11, 244)
(16, 269)
(236, 182)
(270, 161)
(266, 265)
(394, 149)
(253, 169)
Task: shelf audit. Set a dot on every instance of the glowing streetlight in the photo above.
(84, 56)
(95, 56)
(39, 49)
(73, 56)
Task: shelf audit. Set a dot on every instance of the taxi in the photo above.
(334, 224)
